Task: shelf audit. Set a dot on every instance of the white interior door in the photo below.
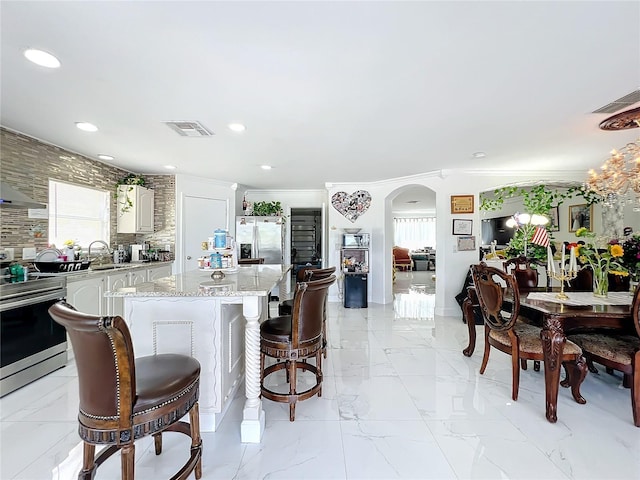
(201, 217)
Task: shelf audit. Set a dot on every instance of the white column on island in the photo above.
(252, 425)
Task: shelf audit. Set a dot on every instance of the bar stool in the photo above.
(123, 398)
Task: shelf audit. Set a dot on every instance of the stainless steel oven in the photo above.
(31, 343)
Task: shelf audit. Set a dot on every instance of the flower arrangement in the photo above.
(604, 257)
(72, 249)
(631, 256)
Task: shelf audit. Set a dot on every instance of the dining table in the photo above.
(581, 311)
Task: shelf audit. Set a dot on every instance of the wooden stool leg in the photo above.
(324, 338)
(128, 457)
(157, 442)
(88, 462)
(319, 371)
(292, 389)
(196, 441)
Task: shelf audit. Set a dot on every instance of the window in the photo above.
(77, 213)
(414, 233)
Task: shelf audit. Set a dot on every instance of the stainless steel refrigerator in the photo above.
(261, 237)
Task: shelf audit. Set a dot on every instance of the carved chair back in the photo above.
(491, 293)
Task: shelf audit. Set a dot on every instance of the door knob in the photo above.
(188, 257)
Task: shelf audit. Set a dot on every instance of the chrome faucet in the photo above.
(100, 257)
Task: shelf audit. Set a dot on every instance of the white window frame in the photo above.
(102, 214)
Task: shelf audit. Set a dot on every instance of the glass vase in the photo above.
(600, 283)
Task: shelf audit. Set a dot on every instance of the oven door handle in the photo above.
(33, 299)
(31, 293)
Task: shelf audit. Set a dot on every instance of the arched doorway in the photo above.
(410, 221)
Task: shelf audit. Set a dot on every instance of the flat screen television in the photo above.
(496, 229)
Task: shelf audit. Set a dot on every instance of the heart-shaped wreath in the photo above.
(351, 205)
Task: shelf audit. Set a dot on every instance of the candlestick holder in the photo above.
(562, 276)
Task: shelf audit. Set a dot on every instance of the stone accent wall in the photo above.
(27, 165)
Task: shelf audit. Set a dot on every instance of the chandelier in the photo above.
(618, 182)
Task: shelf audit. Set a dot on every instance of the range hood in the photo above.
(10, 197)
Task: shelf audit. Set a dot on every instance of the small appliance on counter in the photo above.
(136, 253)
(120, 255)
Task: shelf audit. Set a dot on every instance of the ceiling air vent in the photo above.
(623, 102)
(190, 129)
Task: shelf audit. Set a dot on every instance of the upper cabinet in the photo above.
(135, 215)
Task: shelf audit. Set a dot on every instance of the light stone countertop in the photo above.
(248, 280)
(89, 273)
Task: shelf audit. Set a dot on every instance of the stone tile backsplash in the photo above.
(27, 165)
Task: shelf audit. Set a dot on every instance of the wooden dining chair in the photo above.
(618, 352)
(523, 269)
(123, 398)
(526, 272)
(583, 281)
(511, 333)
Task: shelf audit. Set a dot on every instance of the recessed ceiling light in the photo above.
(170, 167)
(42, 58)
(108, 158)
(237, 127)
(265, 167)
(86, 126)
(478, 155)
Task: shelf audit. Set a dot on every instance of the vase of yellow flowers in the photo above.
(71, 247)
(604, 257)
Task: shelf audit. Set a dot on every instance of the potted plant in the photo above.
(130, 180)
(263, 209)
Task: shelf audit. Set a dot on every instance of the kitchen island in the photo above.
(215, 321)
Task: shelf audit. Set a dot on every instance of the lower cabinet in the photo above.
(137, 277)
(155, 273)
(87, 295)
(115, 305)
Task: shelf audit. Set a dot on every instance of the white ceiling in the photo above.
(329, 91)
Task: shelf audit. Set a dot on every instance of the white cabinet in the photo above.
(115, 305)
(87, 295)
(158, 272)
(139, 215)
(136, 277)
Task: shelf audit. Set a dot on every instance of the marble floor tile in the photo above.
(393, 449)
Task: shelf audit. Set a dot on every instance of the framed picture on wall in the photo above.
(580, 216)
(461, 203)
(466, 243)
(554, 220)
(462, 227)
